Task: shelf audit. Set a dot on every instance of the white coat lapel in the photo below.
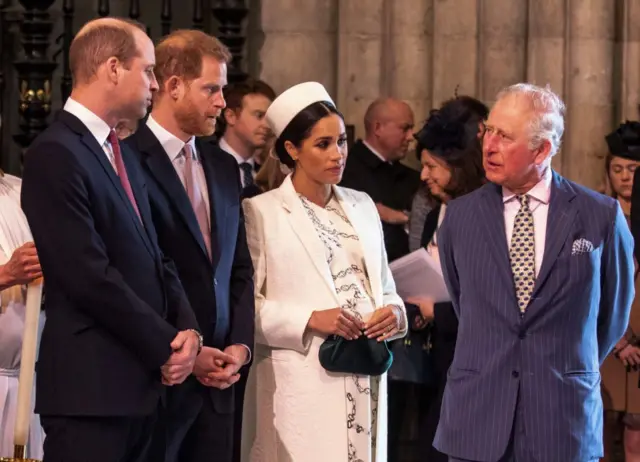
(367, 229)
(306, 232)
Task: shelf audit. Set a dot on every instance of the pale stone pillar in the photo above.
(502, 39)
(410, 73)
(299, 43)
(590, 89)
(455, 57)
(360, 57)
(630, 62)
(546, 50)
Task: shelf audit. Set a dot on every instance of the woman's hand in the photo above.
(425, 304)
(630, 356)
(336, 321)
(384, 323)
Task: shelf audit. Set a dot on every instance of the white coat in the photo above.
(294, 410)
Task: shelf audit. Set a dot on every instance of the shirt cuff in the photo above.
(248, 353)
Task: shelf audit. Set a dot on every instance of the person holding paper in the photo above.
(540, 273)
(451, 155)
(320, 271)
(19, 265)
(119, 325)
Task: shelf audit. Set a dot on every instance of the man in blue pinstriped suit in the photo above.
(540, 271)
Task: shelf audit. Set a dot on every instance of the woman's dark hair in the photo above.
(300, 127)
(451, 134)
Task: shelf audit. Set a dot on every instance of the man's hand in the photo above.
(181, 362)
(392, 216)
(630, 356)
(22, 268)
(212, 360)
(227, 372)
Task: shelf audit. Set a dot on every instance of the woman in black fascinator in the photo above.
(449, 148)
(620, 392)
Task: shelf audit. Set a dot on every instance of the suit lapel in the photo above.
(166, 176)
(306, 232)
(217, 203)
(492, 217)
(369, 243)
(559, 219)
(91, 143)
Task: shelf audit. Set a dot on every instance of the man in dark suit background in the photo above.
(194, 192)
(374, 167)
(242, 127)
(540, 271)
(118, 319)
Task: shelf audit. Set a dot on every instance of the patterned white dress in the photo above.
(346, 262)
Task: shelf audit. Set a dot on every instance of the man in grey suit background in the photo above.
(540, 271)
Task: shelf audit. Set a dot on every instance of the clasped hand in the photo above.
(182, 360)
(219, 369)
(383, 324)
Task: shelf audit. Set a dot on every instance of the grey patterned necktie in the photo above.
(247, 174)
(522, 253)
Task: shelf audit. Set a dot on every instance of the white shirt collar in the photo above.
(98, 127)
(540, 192)
(378, 155)
(225, 146)
(172, 144)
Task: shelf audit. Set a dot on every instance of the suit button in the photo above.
(515, 374)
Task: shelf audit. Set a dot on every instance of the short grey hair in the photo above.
(548, 121)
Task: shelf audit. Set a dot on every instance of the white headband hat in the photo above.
(292, 101)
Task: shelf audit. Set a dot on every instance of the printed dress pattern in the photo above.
(346, 262)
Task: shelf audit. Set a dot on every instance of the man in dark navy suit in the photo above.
(194, 191)
(540, 273)
(119, 324)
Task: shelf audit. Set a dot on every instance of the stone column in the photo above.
(502, 41)
(299, 43)
(630, 62)
(455, 49)
(411, 71)
(546, 58)
(361, 66)
(590, 89)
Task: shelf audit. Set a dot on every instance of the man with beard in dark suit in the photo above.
(194, 192)
(373, 166)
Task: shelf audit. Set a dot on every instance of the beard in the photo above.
(191, 121)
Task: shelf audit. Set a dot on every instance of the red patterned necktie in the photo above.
(121, 170)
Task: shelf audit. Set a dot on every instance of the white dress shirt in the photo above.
(241, 160)
(173, 147)
(539, 204)
(97, 127)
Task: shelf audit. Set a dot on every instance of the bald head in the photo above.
(98, 41)
(388, 125)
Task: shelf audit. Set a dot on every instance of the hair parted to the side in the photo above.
(234, 95)
(98, 41)
(181, 52)
(548, 120)
(300, 127)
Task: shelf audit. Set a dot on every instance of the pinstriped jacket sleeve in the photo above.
(617, 284)
(446, 249)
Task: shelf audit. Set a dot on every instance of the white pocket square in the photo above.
(581, 246)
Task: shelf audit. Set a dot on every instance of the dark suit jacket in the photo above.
(635, 213)
(393, 185)
(543, 364)
(113, 303)
(219, 289)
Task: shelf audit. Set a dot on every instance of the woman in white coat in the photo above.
(320, 270)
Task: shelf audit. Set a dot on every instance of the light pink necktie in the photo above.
(195, 196)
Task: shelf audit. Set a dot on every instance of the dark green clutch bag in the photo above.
(362, 356)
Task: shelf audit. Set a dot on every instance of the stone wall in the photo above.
(422, 50)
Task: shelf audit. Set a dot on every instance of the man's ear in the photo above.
(230, 117)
